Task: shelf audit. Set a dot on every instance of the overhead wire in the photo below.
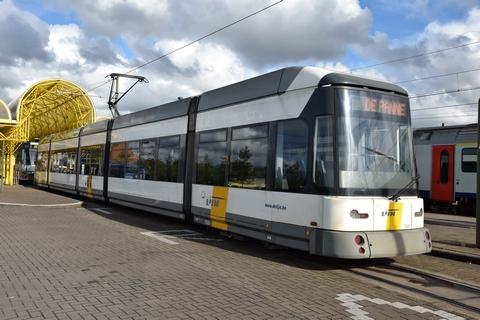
(446, 106)
(99, 84)
(423, 95)
(443, 116)
(102, 83)
(358, 68)
(438, 76)
(414, 56)
(203, 37)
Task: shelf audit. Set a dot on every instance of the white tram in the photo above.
(300, 157)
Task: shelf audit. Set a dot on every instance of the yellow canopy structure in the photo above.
(46, 107)
(5, 114)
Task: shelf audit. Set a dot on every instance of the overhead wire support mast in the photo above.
(477, 213)
(115, 97)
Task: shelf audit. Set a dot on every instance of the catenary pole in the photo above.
(478, 178)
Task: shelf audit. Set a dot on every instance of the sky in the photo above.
(84, 41)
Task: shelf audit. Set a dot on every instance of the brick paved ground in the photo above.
(32, 195)
(81, 263)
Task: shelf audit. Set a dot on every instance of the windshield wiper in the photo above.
(381, 153)
(395, 196)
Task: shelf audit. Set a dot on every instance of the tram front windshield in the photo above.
(374, 143)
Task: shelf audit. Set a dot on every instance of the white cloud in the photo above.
(199, 68)
(215, 65)
(309, 25)
(64, 43)
(23, 36)
(115, 17)
(295, 32)
(436, 35)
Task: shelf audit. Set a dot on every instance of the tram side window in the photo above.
(469, 160)
(291, 157)
(133, 157)
(117, 159)
(248, 157)
(55, 161)
(91, 160)
(212, 157)
(324, 160)
(168, 158)
(147, 159)
(42, 161)
(64, 161)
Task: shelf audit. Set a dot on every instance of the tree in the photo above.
(241, 168)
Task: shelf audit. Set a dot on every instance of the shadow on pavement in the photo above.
(232, 242)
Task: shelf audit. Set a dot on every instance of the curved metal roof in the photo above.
(51, 106)
(5, 115)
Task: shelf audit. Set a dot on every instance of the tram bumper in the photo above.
(370, 244)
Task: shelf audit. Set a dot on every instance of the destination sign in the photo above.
(374, 102)
(380, 105)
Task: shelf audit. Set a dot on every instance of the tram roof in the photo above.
(355, 81)
(64, 135)
(95, 127)
(286, 79)
(446, 134)
(162, 112)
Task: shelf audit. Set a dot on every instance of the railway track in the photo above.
(450, 223)
(462, 296)
(441, 288)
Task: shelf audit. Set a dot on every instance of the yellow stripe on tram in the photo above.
(394, 216)
(218, 209)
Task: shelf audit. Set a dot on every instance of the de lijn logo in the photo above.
(391, 212)
(212, 202)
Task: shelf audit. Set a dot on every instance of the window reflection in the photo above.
(324, 160)
(248, 157)
(374, 142)
(91, 160)
(64, 161)
(147, 160)
(168, 158)
(291, 163)
(117, 160)
(211, 163)
(42, 161)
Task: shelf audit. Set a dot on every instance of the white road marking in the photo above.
(185, 234)
(349, 301)
(101, 210)
(41, 205)
(159, 237)
(178, 231)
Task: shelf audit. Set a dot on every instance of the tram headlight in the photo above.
(357, 215)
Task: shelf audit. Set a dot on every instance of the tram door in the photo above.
(442, 173)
